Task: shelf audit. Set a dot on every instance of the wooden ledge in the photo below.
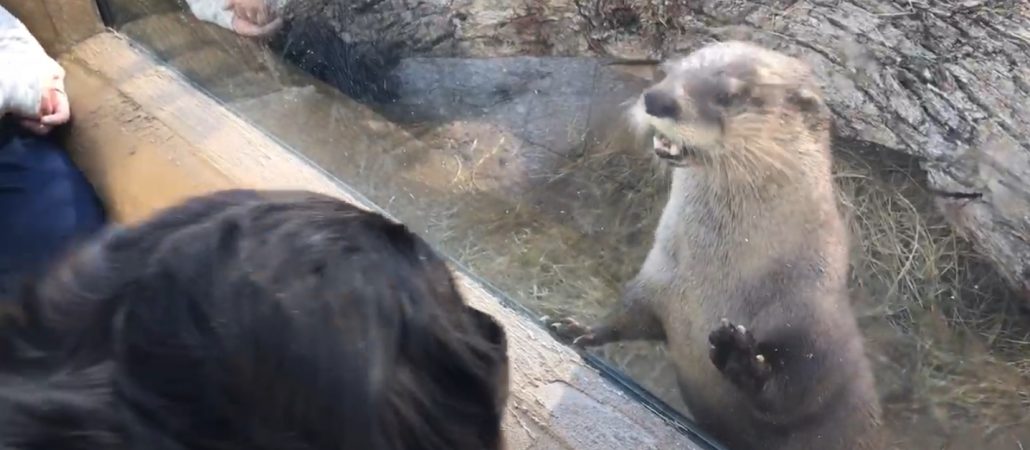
(147, 139)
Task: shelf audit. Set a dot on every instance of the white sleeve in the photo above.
(212, 11)
(23, 64)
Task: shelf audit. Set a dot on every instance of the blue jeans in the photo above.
(46, 203)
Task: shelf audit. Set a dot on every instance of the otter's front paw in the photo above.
(569, 329)
(735, 353)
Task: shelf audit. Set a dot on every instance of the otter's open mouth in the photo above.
(677, 155)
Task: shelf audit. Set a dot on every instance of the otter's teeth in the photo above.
(663, 143)
(660, 143)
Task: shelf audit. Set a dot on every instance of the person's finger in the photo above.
(243, 27)
(35, 127)
(46, 105)
(53, 98)
(229, 4)
(248, 29)
(248, 13)
(270, 27)
(62, 110)
(261, 15)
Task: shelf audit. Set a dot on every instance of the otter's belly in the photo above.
(714, 404)
(688, 320)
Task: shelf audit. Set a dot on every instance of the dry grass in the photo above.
(946, 338)
(949, 348)
(946, 341)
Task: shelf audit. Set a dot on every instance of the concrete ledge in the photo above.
(148, 139)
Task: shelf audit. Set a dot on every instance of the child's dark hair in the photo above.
(252, 320)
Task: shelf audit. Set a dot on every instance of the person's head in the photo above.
(262, 320)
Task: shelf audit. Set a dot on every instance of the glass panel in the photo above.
(513, 159)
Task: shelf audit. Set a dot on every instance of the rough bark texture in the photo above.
(947, 82)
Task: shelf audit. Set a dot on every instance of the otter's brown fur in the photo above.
(746, 281)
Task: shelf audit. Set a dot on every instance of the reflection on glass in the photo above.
(516, 166)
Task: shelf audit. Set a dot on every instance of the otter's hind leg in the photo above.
(633, 318)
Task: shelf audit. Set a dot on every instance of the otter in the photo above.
(746, 282)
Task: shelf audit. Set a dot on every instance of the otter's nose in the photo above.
(661, 105)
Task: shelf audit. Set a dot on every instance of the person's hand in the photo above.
(253, 18)
(54, 109)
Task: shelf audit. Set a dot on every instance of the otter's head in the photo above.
(732, 105)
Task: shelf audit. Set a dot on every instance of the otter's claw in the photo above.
(569, 329)
(735, 353)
